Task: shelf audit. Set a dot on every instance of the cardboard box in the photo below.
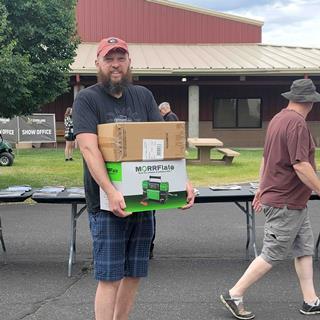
(136, 141)
(150, 185)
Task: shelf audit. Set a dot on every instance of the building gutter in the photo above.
(198, 72)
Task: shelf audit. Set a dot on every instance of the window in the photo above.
(237, 113)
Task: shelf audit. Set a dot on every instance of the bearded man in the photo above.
(121, 241)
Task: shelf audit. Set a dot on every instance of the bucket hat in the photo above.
(302, 90)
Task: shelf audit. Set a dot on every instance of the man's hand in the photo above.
(257, 206)
(117, 204)
(190, 196)
(88, 143)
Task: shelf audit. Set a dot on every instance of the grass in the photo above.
(40, 167)
(243, 169)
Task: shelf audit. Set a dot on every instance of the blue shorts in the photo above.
(121, 245)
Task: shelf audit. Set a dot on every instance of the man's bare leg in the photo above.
(125, 298)
(258, 268)
(304, 269)
(105, 300)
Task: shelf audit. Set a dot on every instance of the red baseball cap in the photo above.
(108, 44)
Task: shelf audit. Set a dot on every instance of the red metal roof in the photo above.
(147, 21)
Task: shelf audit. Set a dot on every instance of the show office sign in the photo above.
(9, 129)
(40, 127)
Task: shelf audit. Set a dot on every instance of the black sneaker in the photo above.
(237, 311)
(307, 309)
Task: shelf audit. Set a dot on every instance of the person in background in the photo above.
(121, 240)
(166, 112)
(287, 177)
(68, 135)
(167, 115)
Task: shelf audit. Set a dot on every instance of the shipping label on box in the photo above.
(147, 141)
(152, 149)
(150, 185)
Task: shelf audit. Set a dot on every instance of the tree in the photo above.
(15, 80)
(37, 46)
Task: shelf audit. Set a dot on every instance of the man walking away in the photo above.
(287, 177)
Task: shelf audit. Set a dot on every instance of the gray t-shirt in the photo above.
(288, 141)
(94, 106)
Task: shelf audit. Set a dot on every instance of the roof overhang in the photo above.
(208, 59)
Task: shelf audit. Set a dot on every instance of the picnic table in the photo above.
(205, 145)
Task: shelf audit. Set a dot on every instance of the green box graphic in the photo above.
(155, 189)
(148, 185)
(114, 170)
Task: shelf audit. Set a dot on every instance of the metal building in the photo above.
(210, 66)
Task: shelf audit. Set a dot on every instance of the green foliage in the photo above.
(15, 79)
(38, 41)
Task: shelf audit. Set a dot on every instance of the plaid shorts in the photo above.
(121, 245)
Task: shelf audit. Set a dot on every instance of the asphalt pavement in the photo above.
(198, 254)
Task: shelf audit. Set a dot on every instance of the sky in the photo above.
(290, 22)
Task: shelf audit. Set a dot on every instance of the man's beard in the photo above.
(114, 88)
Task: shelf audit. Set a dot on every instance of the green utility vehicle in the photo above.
(6, 153)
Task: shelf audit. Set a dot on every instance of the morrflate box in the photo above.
(146, 141)
(150, 185)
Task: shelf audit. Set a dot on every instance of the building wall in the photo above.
(269, 89)
(271, 99)
(59, 107)
(248, 138)
(140, 21)
(177, 96)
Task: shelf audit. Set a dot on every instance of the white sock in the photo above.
(237, 300)
(315, 303)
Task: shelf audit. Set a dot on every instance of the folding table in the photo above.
(11, 198)
(74, 199)
(243, 200)
(245, 196)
